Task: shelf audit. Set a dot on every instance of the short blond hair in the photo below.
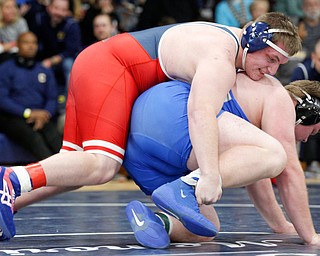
(309, 86)
(277, 20)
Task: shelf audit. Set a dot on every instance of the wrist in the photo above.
(27, 113)
(314, 240)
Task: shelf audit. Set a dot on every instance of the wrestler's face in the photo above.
(303, 132)
(265, 61)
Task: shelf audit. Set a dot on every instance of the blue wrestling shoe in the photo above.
(7, 197)
(147, 227)
(178, 199)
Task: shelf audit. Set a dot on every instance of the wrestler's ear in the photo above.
(255, 36)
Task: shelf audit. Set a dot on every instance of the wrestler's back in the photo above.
(265, 96)
(183, 47)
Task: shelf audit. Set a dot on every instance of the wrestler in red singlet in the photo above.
(105, 80)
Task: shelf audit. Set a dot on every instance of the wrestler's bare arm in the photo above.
(261, 192)
(278, 120)
(262, 195)
(208, 63)
(204, 131)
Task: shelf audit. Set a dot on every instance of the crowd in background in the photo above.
(65, 27)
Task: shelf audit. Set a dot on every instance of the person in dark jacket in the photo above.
(29, 101)
(59, 38)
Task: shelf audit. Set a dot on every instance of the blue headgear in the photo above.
(258, 36)
(307, 110)
(255, 36)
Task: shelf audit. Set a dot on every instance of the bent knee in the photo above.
(105, 168)
(189, 237)
(279, 159)
(201, 239)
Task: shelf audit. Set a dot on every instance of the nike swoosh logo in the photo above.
(136, 219)
(182, 194)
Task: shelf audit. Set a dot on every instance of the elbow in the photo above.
(201, 113)
(280, 159)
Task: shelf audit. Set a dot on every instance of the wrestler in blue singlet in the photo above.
(159, 144)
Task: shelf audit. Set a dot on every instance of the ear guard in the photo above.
(307, 110)
(255, 36)
(258, 36)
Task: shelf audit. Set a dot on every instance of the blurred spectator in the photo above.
(86, 24)
(29, 101)
(292, 8)
(128, 12)
(259, 7)
(309, 25)
(310, 155)
(103, 27)
(59, 39)
(75, 9)
(214, 7)
(11, 26)
(310, 70)
(234, 13)
(206, 9)
(157, 12)
(309, 31)
(30, 8)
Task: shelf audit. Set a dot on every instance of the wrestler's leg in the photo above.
(154, 229)
(249, 151)
(69, 171)
(79, 169)
(246, 150)
(243, 149)
(94, 133)
(180, 234)
(38, 195)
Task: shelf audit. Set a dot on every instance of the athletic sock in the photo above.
(27, 178)
(37, 175)
(166, 221)
(192, 178)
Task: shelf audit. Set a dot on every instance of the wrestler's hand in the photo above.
(315, 240)
(208, 190)
(285, 228)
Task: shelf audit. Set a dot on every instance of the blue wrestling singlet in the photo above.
(158, 144)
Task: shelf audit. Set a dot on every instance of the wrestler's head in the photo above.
(275, 27)
(306, 96)
(268, 42)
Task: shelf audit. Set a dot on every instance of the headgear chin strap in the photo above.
(258, 36)
(307, 110)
